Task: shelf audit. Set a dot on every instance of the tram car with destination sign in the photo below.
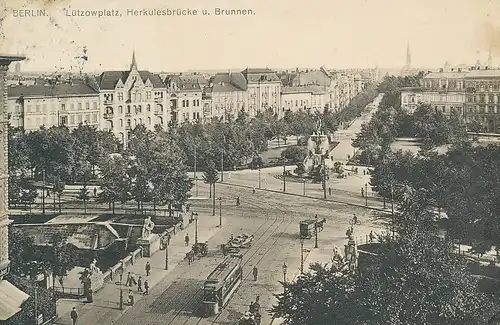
(221, 284)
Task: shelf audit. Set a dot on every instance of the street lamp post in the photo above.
(285, 267)
(316, 232)
(195, 173)
(196, 228)
(392, 209)
(259, 178)
(284, 176)
(43, 191)
(121, 290)
(366, 194)
(304, 187)
(220, 211)
(302, 255)
(166, 254)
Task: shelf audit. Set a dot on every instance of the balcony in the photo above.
(108, 102)
(128, 114)
(158, 112)
(158, 99)
(108, 116)
(128, 127)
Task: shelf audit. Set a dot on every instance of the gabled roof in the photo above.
(62, 90)
(259, 74)
(109, 79)
(184, 83)
(227, 82)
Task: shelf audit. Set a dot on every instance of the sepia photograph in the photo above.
(249, 162)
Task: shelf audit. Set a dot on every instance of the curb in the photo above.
(312, 197)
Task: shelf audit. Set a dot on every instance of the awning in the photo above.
(11, 299)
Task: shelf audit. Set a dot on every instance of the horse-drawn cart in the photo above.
(234, 244)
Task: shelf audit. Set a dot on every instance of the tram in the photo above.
(221, 284)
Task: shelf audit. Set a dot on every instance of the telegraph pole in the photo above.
(324, 177)
(220, 211)
(166, 255)
(366, 194)
(43, 191)
(195, 175)
(316, 232)
(222, 166)
(302, 255)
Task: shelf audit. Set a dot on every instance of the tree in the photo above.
(294, 154)
(83, 194)
(60, 257)
(211, 177)
(114, 181)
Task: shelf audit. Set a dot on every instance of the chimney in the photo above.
(459, 69)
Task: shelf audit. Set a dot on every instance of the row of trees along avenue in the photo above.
(57, 156)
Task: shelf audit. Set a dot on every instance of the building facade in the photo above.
(264, 89)
(184, 95)
(445, 91)
(133, 97)
(411, 97)
(34, 106)
(228, 93)
(482, 92)
(303, 98)
(15, 297)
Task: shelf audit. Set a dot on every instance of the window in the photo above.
(94, 118)
(79, 118)
(71, 106)
(140, 120)
(37, 108)
(79, 106)
(149, 120)
(87, 118)
(94, 105)
(71, 119)
(120, 109)
(194, 116)
(148, 108)
(63, 107)
(128, 109)
(139, 109)
(44, 108)
(64, 120)
(121, 122)
(120, 96)
(87, 105)
(148, 95)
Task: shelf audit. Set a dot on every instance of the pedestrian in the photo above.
(146, 287)
(255, 272)
(372, 236)
(364, 172)
(355, 220)
(129, 280)
(237, 201)
(186, 239)
(253, 189)
(74, 316)
(362, 192)
(139, 284)
(95, 191)
(130, 297)
(168, 238)
(148, 268)
(256, 305)
(251, 309)
(329, 191)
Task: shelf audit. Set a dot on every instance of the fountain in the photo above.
(318, 147)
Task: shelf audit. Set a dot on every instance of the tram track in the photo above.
(261, 205)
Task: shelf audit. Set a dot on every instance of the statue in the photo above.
(336, 254)
(147, 228)
(93, 267)
(318, 127)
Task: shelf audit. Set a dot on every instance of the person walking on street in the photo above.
(129, 280)
(355, 220)
(95, 191)
(362, 192)
(74, 316)
(146, 287)
(186, 239)
(253, 189)
(130, 297)
(372, 236)
(237, 201)
(251, 309)
(139, 284)
(329, 191)
(148, 269)
(255, 273)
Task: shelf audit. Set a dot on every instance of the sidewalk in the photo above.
(105, 308)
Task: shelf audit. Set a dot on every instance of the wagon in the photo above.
(307, 229)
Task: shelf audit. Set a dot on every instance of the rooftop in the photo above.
(448, 75)
(483, 73)
(228, 82)
(62, 90)
(259, 74)
(315, 90)
(109, 79)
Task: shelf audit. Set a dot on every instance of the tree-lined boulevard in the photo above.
(413, 274)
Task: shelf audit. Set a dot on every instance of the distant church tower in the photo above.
(134, 63)
(490, 60)
(17, 69)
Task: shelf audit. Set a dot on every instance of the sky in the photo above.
(280, 34)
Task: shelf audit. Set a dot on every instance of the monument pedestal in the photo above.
(149, 245)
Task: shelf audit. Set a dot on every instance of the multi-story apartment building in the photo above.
(228, 92)
(482, 92)
(184, 95)
(50, 105)
(133, 97)
(303, 97)
(12, 297)
(264, 88)
(411, 97)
